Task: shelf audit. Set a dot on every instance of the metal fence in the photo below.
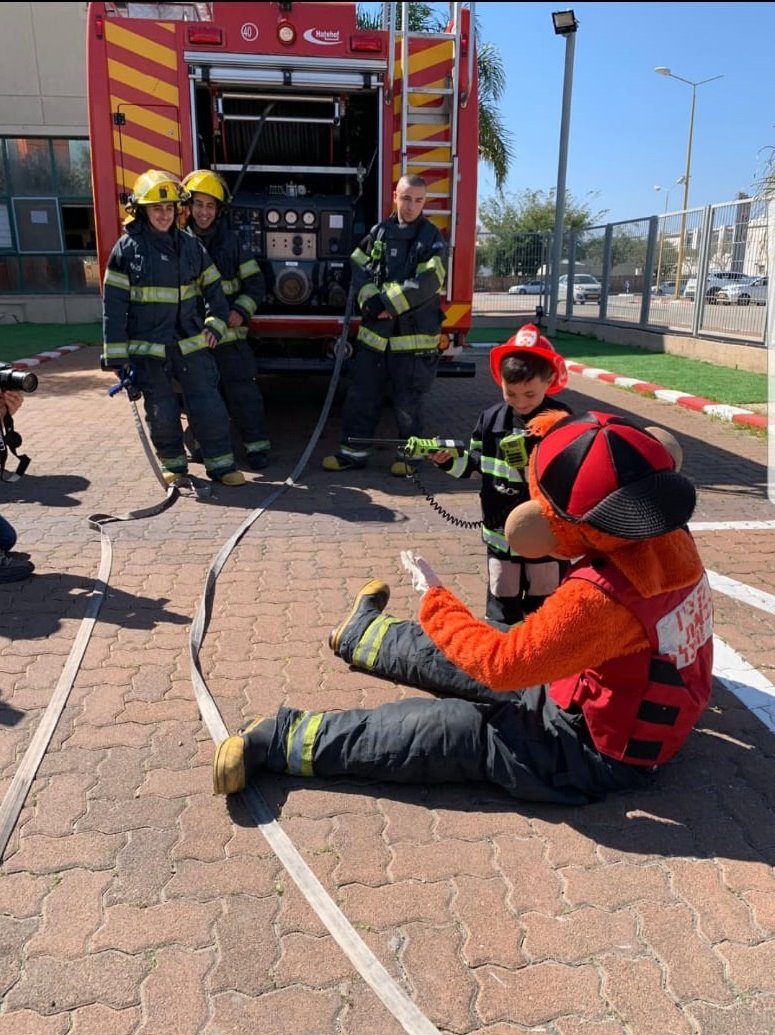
(628, 272)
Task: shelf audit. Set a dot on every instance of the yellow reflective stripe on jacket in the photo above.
(231, 287)
(398, 299)
(360, 258)
(232, 334)
(301, 743)
(209, 276)
(436, 265)
(414, 342)
(372, 340)
(216, 325)
(459, 465)
(147, 348)
(192, 344)
(500, 469)
(245, 303)
(163, 295)
(497, 540)
(117, 280)
(115, 350)
(367, 291)
(248, 268)
(365, 654)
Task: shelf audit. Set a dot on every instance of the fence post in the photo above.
(703, 261)
(605, 272)
(648, 267)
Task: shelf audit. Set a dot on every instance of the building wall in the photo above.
(42, 69)
(45, 277)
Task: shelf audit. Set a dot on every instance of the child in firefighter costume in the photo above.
(594, 691)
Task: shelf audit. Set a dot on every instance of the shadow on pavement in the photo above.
(48, 490)
(36, 608)
(713, 801)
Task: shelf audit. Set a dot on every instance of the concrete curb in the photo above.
(733, 414)
(45, 357)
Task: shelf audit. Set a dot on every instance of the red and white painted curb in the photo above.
(44, 357)
(734, 414)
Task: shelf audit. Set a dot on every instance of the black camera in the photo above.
(16, 380)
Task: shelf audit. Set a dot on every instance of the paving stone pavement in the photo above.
(135, 902)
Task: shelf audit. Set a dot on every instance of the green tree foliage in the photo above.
(495, 142)
(517, 229)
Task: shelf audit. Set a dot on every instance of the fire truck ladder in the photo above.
(429, 117)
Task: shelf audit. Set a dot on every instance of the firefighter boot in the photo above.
(236, 758)
(345, 460)
(174, 477)
(373, 596)
(228, 478)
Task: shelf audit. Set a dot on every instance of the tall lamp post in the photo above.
(661, 70)
(565, 24)
(667, 190)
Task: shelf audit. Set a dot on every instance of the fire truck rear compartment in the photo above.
(303, 171)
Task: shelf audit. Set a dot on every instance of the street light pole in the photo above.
(667, 190)
(565, 24)
(661, 70)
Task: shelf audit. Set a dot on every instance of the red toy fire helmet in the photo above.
(529, 339)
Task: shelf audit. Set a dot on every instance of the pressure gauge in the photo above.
(272, 217)
(308, 218)
(291, 217)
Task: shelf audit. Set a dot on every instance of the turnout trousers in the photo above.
(410, 375)
(198, 377)
(238, 369)
(520, 741)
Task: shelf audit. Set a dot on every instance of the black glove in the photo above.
(373, 306)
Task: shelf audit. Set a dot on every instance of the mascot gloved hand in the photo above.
(423, 575)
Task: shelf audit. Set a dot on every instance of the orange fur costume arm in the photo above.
(561, 638)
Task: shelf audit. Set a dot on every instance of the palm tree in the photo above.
(495, 146)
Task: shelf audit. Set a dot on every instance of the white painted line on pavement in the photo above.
(750, 687)
(740, 591)
(731, 526)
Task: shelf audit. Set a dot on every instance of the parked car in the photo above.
(666, 289)
(744, 294)
(714, 282)
(586, 288)
(530, 287)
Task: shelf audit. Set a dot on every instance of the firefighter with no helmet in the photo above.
(398, 271)
(243, 286)
(154, 329)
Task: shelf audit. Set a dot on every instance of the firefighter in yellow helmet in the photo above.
(243, 286)
(155, 328)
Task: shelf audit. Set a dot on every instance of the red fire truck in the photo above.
(311, 121)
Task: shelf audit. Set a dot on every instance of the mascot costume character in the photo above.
(589, 695)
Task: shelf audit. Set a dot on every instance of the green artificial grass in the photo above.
(24, 340)
(717, 383)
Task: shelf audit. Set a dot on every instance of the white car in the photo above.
(744, 294)
(586, 288)
(531, 287)
(714, 283)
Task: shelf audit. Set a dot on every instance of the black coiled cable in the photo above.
(431, 499)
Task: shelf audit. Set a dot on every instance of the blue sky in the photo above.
(629, 126)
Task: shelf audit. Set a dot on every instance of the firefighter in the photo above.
(398, 270)
(243, 286)
(154, 330)
(616, 664)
